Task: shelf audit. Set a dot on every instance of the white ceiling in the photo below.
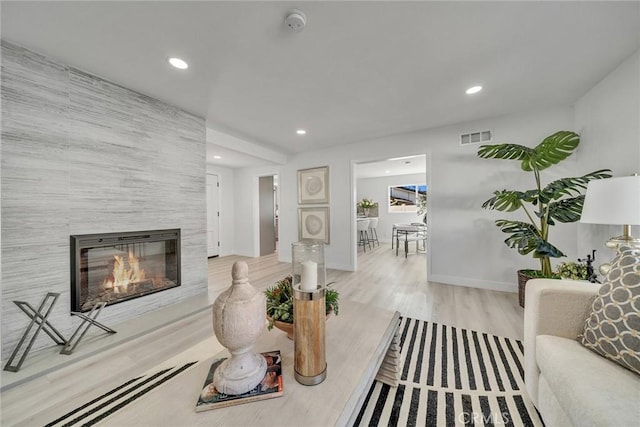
(391, 167)
(359, 70)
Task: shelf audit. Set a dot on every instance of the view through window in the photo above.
(406, 198)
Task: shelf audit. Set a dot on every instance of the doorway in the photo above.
(378, 181)
(268, 210)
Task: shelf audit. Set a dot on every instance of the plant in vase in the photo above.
(559, 201)
(280, 304)
(366, 204)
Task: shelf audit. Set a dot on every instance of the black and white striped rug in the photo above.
(101, 407)
(450, 377)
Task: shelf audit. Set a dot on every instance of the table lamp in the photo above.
(614, 201)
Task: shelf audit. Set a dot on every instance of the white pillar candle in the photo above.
(309, 276)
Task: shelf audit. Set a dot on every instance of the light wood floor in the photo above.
(383, 280)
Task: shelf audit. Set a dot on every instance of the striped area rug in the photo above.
(452, 377)
(101, 407)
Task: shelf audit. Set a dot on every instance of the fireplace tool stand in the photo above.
(87, 322)
(40, 317)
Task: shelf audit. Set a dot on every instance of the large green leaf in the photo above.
(505, 200)
(566, 210)
(552, 150)
(525, 238)
(505, 151)
(571, 186)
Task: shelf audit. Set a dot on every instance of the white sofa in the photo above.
(569, 384)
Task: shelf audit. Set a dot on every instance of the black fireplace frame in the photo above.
(82, 241)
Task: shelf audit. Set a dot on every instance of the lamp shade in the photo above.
(612, 201)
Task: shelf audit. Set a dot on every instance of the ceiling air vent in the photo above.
(475, 137)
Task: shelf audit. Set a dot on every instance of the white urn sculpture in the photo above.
(239, 315)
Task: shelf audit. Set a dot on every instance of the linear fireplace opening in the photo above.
(116, 267)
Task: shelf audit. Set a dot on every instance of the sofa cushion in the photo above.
(613, 328)
(550, 410)
(590, 389)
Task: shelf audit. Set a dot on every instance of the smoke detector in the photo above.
(295, 20)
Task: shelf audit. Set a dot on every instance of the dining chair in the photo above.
(415, 232)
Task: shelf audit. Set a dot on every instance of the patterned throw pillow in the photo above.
(613, 328)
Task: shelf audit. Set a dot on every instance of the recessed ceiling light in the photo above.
(301, 132)
(387, 171)
(178, 63)
(217, 157)
(474, 89)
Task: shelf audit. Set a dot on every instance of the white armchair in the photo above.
(570, 384)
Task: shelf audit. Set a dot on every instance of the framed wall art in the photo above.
(313, 224)
(313, 185)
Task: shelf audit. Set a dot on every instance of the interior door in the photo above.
(267, 217)
(213, 216)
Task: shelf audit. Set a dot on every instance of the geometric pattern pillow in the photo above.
(613, 328)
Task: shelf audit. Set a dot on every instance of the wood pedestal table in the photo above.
(357, 341)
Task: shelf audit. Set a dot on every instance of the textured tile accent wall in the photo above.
(83, 155)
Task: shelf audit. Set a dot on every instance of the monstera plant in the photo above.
(544, 206)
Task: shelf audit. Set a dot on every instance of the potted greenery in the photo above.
(558, 201)
(422, 207)
(366, 204)
(280, 305)
(572, 270)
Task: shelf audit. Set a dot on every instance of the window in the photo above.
(406, 198)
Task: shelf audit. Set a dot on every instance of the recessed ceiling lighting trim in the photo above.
(473, 89)
(178, 63)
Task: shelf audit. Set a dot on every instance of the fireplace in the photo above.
(116, 267)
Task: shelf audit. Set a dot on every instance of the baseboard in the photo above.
(475, 283)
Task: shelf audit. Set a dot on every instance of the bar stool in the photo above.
(363, 239)
(373, 233)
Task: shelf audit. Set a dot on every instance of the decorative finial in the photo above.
(240, 272)
(239, 315)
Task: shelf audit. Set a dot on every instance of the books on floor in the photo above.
(270, 387)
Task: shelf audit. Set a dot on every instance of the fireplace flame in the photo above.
(121, 276)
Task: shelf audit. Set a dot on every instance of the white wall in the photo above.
(226, 204)
(466, 247)
(377, 189)
(608, 119)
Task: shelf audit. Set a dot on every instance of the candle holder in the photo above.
(308, 258)
(309, 312)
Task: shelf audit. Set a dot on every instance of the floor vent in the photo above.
(475, 137)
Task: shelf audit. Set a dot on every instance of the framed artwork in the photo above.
(313, 224)
(313, 185)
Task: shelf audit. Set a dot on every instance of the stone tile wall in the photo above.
(83, 155)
